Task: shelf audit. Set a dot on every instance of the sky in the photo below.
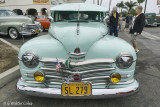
(151, 4)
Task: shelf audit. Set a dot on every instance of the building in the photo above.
(33, 7)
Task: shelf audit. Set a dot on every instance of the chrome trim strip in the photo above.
(126, 82)
(29, 81)
(98, 77)
(92, 61)
(49, 69)
(3, 33)
(77, 54)
(51, 60)
(51, 76)
(57, 83)
(29, 74)
(81, 72)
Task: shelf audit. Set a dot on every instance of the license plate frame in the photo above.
(74, 86)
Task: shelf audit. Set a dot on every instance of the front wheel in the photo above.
(13, 33)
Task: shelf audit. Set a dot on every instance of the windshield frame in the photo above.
(93, 16)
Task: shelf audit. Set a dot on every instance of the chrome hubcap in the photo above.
(13, 33)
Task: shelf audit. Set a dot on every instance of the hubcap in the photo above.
(13, 33)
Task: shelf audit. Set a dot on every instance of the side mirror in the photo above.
(50, 18)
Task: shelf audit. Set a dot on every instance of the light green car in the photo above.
(16, 26)
(77, 59)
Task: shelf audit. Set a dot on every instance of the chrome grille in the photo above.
(31, 26)
(94, 71)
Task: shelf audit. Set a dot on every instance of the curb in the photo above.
(13, 46)
(12, 73)
(9, 75)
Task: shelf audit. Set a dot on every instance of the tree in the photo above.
(121, 5)
(133, 12)
(140, 1)
(130, 5)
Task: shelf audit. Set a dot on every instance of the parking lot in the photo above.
(147, 73)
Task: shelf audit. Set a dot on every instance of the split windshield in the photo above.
(74, 16)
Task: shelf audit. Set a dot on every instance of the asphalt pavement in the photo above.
(147, 73)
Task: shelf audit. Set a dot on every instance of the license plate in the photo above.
(36, 31)
(76, 89)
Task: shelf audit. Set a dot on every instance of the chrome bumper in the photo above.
(96, 93)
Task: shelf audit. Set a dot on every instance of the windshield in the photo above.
(4, 13)
(63, 16)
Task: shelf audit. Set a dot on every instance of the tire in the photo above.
(13, 33)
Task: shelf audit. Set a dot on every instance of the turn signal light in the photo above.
(39, 76)
(115, 78)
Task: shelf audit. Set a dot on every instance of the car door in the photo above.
(3, 20)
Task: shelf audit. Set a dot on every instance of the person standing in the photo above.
(120, 22)
(113, 20)
(128, 21)
(137, 26)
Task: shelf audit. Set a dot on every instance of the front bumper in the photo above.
(96, 93)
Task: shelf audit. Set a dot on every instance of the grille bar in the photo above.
(92, 70)
(81, 72)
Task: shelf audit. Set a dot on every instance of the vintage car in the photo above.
(16, 26)
(151, 19)
(77, 59)
(44, 20)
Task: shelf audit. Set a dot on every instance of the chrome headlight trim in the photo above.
(23, 25)
(124, 60)
(30, 59)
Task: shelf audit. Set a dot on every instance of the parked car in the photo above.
(77, 59)
(44, 20)
(151, 19)
(15, 26)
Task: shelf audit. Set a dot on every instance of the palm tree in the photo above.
(120, 5)
(140, 1)
(130, 5)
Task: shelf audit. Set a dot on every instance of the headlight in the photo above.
(30, 59)
(39, 76)
(124, 60)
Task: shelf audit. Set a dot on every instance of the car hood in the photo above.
(82, 36)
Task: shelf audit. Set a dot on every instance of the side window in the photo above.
(3, 13)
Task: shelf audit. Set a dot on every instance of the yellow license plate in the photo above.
(36, 31)
(76, 89)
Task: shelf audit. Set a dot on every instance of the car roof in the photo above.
(78, 7)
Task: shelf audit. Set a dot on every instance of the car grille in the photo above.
(95, 71)
(31, 26)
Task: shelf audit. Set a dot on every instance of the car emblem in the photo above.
(77, 50)
(76, 77)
